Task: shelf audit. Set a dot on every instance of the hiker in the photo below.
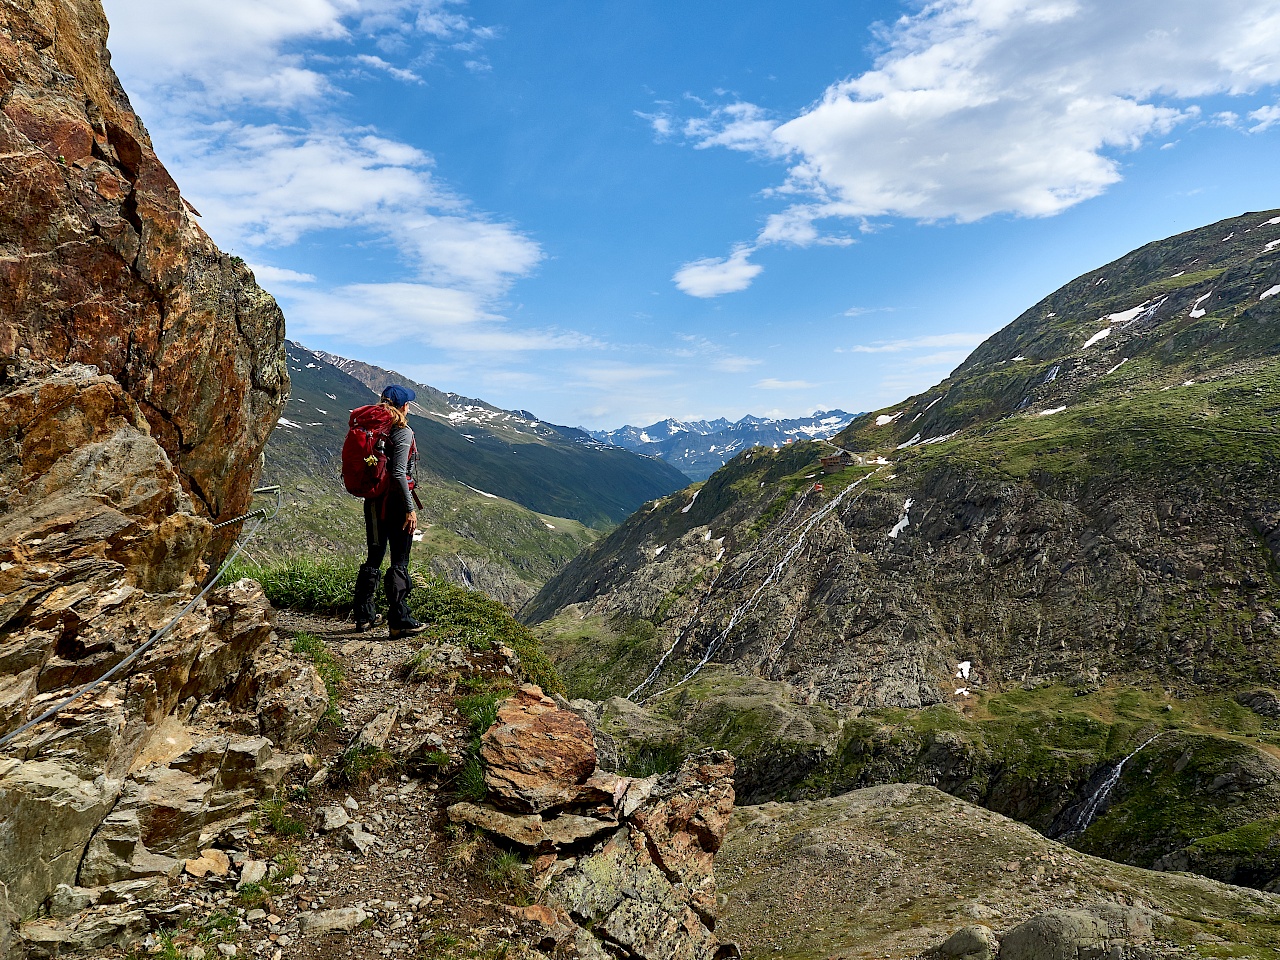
(390, 521)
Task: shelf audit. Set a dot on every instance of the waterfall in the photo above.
(745, 608)
(1089, 811)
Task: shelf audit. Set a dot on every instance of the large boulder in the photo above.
(102, 261)
(537, 756)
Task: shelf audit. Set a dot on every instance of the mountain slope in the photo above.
(700, 447)
(473, 538)
(1067, 512)
(511, 453)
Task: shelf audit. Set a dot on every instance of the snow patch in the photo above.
(1116, 367)
(1228, 236)
(880, 462)
(910, 443)
(962, 692)
(1189, 383)
(1196, 312)
(963, 668)
(1270, 293)
(325, 412)
(692, 501)
(549, 526)
(491, 496)
(1271, 246)
(1270, 223)
(885, 418)
(1045, 413)
(904, 521)
(289, 423)
(1100, 335)
(942, 439)
(417, 536)
(658, 552)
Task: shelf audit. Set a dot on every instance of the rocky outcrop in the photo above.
(627, 863)
(141, 371)
(536, 756)
(102, 261)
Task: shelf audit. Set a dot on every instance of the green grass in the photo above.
(469, 783)
(327, 665)
(472, 619)
(275, 813)
(321, 585)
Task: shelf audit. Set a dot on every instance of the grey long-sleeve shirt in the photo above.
(399, 464)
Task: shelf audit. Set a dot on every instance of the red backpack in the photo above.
(364, 456)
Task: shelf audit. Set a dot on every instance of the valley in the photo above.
(1013, 580)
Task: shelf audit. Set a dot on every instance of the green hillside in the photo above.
(1017, 579)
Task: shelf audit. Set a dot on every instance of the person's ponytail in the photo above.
(397, 414)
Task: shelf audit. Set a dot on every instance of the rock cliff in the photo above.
(102, 261)
(141, 371)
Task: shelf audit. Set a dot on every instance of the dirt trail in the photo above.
(412, 893)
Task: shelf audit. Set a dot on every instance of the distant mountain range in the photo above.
(698, 448)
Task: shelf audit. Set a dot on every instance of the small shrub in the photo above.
(275, 812)
(464, 850)
(653, 758)
(507, 871)
(358, 763)
(253, 895)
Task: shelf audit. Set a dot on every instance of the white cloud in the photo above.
(267, 274)
(713, 355)
(927, 342)
(732, 364)
(1265, 117)
(771, 384)
(980, 107)
(377, 63)
(268, 186)
(214, 54)
(373, 314)
(710, 277)
(738, 126)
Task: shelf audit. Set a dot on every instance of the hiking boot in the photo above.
(406, 629)
(362, 604)
(364, 625)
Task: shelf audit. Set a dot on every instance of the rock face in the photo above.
(141, 371)
(627, 863)
(102, 262)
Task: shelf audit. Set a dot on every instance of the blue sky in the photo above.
(611, 213)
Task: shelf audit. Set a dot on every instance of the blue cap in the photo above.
(397, 394)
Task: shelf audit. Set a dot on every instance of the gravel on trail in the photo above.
(393, 881)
